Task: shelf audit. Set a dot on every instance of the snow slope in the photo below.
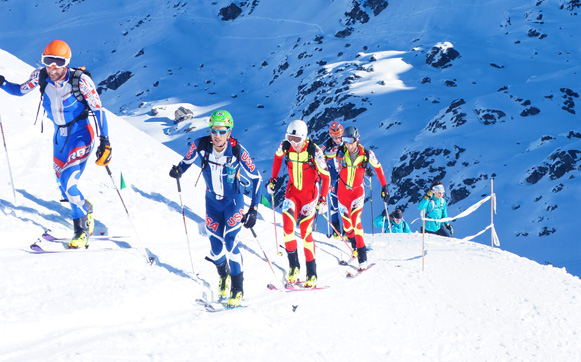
(464, 122)
(470, 303)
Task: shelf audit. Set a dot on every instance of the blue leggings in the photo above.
(223, 224)
(70, 158)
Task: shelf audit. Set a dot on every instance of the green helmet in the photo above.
(221, 119)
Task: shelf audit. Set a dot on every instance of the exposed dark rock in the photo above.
(343, 34)
(490, 116)
(114, 81)
(441, 56)
(376, 5)
(453, 116)
(568, 96)
(230, 12)
(535, 174)
(531, 111)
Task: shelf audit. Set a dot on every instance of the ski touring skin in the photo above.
(358, 272)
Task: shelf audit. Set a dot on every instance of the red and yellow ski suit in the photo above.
(305, 172)
(350, 192)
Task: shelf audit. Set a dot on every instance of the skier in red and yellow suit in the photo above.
(353, 160)
(307, 169)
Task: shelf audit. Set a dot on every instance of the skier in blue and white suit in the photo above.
(221, 158)
(73, 136)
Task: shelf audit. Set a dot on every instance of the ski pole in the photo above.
(275, 233)
(338, 233)
(204, 283)
(150, 259)
(270, 286)
(387, 215)
(371, 205)
(185, 226)
(8, 160)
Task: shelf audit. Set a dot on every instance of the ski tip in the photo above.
(271, 286)
(343, 262)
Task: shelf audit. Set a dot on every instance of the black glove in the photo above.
(103, 152)
(271, 185)
(384, 193)
(2, 79)
(175, 172)
(249, 219)
(429, 195)
(369, 171)
(449, 227)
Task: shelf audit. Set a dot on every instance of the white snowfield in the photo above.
(471, 303)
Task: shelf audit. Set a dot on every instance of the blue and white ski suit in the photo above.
(224, 198)
(72, 143)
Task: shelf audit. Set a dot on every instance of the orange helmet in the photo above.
(336, 129)
(56, 54)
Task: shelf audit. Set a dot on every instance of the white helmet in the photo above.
(297, 128)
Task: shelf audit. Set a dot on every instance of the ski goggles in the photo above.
(349, 139)
(54, 62)
(438, 188)
(294, 139)
(221, 132)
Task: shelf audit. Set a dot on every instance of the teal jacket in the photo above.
(435, 209)
(382, 223)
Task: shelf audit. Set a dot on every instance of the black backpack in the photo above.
(206, 145)
(74, 79)
(311, 150)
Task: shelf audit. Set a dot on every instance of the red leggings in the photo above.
(300, 206)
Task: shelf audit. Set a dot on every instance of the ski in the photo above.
(49, 237)
(358, 272)
(301, 288)
(38, 249)
(219, 306)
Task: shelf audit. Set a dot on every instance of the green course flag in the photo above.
(122, 182)
(264, 201)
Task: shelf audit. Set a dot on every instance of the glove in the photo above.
(249, 219)
(2, 79)
(429, 195)
(321, 202)
(175, 172)
(103, 152)
(449, 227)
(384, 193)
(271, 185)
(369, 172)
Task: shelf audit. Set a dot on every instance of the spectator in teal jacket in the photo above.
(398, 224)
(434, 205)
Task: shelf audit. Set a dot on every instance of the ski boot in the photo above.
(362, 258)
(353, 246)
(224, 282)
(81, 236)
(90, 218)
(311, 281)
(337, 228)
(236, 293)
(294, 267)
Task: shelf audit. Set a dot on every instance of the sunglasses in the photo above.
(294, 139)
(221, 132)
(54, 62)
(349, 139)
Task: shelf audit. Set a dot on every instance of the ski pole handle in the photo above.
(253, 233)
(179, 185)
